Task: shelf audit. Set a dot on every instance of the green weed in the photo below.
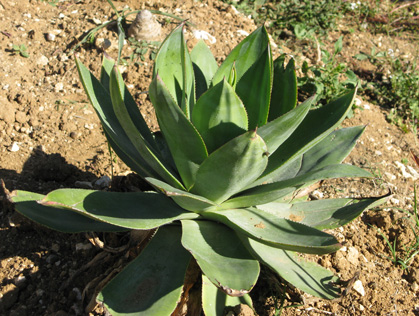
(404, 257)
(328, 80)
(21, 50)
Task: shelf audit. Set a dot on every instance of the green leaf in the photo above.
(284, 90)
(204, 66)
(136, 138)
(185, 143)
(277, 131)
(152, 283)
(257, 78)
(102, 103)
(338, 45)
(315, 127)
(275, 231)
(65, 221)
(132, 107)
(174, 66)
(307, 276)
(221, 256)
(139, 210)
(331, 150)
(214, 301)
(323, 214)
(231, 167)
(184, 199)
(266, 193)
(219, 116)
(244, 55)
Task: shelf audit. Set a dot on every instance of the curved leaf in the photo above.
(276, 231)
(315, 127)
(244, 55)
(277, 131)
(65, 221)
(284, 90)
(102, 103)
(257, 78)
(219, 116)
(214, 301)
(231, 167)
(132, 107)
(323, 214)
(152, 283)
(331, 150)
(133, 134)
(184, 199)
(185, 143)
(221, 256)
(174, 66)
(137, 210)
(307, 276)
(204, 66)
(266, 193)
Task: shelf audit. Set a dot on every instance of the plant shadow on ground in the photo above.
(63, 259)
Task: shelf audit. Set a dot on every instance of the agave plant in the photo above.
(232, 153)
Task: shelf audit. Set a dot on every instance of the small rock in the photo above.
(366, 106)
(242, 33)
(55, 247)
(353, 255)
(83, 247)
(61, 16)
(317, 194)
(20, 281)
(414, 287)
(103, 182)
(50, 37)
(10, 295)
(21, 117)
(59, 87)
(42, 61)
(105, 44)
(145, 27)
(97, 21)
(359, 288)
(83, 185)
(390, 176)
(14, 147)
(199, 34)
(361, 307)
(232, 9)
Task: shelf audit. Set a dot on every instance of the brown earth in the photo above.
(51, 138)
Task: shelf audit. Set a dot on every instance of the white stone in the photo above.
(413, 175)
(317, 194)
(359, 288)
(366, 106)
(353, 255)
(361, 307)
(50, 37)
(59, 87)
(43, 60)
(14, 147)
(242, 33)
(199, 34)
(97, 21)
